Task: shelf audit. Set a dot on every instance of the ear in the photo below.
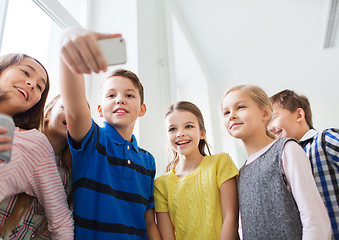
(100, 111)
(300, 115)
(202, 135)
(142, 111)
(267, 113)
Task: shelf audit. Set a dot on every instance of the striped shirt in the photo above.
(33, 170)
(322, 149)
(112, 185)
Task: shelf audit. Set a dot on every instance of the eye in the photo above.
(130, 96)
(241, 107)
(226, 113)
(189, 126)
(171, 129)
(111, 95)
(39, 87)
(25, 72)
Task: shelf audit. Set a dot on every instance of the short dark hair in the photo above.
(291, 101)
(33, 116)
(133, 77)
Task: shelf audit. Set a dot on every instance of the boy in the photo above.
(292, 117)
(112, 177)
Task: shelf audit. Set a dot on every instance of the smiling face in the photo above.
(284, 123)
(24, 84)
(56, 118)
(243, 117)
(120, 103)
(183, 132)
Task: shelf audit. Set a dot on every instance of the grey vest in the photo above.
(267, 207)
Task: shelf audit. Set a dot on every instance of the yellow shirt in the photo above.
(193, 201)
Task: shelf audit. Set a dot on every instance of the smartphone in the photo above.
(7, 122)
(114, 50)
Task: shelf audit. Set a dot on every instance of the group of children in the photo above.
(280, 192)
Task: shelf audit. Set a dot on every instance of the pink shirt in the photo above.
(33, 170)
(297, 169)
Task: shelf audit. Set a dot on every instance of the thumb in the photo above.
(100, 36)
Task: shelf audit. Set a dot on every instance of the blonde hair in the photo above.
(258, 95)
(192, 108)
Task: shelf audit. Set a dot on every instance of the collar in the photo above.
(117, 138)
(309, 134)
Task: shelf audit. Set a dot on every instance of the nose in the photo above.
(231, 116)
(30, 83)
(120, 99)
(180, 133)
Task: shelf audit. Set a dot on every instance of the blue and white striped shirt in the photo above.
(322, 149)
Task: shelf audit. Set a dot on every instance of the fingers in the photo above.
(3, 140)
(81, 52)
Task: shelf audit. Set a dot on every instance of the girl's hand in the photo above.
(4, 139)
(81, 52)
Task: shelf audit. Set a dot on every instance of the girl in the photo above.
(26, 217)
(32, 169)
(197, 197)
(278, 198)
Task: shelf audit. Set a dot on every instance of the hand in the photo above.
(81, 52)
(4, 139)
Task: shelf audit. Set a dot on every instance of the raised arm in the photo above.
(80, 53)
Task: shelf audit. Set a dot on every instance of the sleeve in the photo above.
(330, 144)
(87, 143)
(226, 169)
(160, 199)
(313, 214)
(47, 186)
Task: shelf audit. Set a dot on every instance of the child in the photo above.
(32, 170)
(292, 117)
(278, 198)
(25, 216)
(197, 197)
(112, 176)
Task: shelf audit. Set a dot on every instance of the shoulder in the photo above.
(33, 139)
(220, 158)
(161, 180)
(328, 135)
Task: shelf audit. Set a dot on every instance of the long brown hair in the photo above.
(192, 108)
(33, 116)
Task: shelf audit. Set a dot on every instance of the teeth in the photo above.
(182, 142)
(120, 111)
(23, 93)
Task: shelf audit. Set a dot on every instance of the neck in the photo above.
(188, 164)
(58, 142)
(256, 143)
(303, 129)
(126, 133)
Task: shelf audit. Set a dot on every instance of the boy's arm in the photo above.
(230, 209)
(165, 226)
(80, 53)
(152, 230)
